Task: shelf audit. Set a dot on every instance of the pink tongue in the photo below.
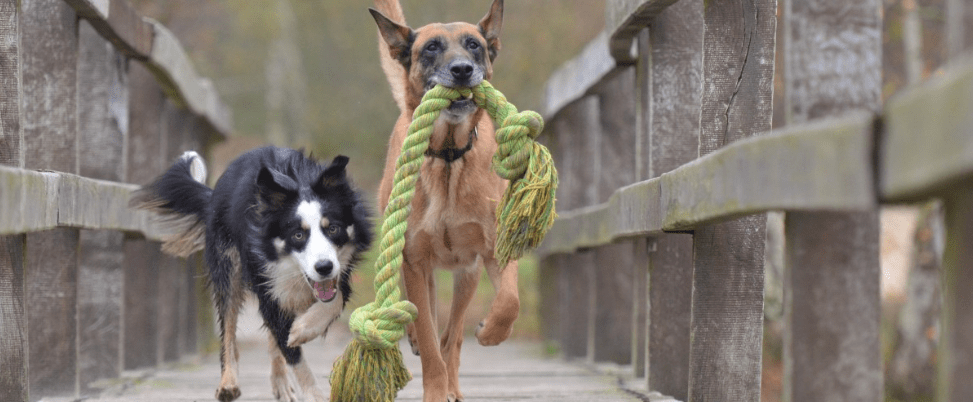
(325, 291)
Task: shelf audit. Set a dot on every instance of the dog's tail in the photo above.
(181, 198)
(394, 71)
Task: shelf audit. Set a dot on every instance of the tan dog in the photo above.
(453, 223)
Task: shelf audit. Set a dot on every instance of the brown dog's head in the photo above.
(456, 55)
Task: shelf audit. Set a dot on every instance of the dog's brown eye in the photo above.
(432, 46)
(298, 236)
(472, 45)
(333, 230)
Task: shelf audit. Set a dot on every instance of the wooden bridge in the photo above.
(661, 130)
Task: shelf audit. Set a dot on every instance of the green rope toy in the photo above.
(371, 369)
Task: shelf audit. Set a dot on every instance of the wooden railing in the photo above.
(661, 132)
(94, 99)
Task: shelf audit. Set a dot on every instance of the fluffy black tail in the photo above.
(181, 199)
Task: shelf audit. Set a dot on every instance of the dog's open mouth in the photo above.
(325, 290)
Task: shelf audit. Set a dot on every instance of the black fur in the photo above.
(252, 204)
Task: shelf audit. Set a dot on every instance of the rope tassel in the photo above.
(371, 368)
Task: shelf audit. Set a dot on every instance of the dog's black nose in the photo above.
(461, 70)
(324, 268)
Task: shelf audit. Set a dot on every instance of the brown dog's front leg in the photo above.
(434, 380)
(498, 324)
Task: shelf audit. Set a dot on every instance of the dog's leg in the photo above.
(305, 379)
(496, 327)
(226, 278)
(410, 330)
(464, 287)
(314, 322)
(434, 381)
(279, 383)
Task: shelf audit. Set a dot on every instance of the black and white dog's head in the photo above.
(315, 228)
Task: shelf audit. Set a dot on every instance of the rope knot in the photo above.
(382, 327)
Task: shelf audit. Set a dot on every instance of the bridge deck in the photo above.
(510, 372)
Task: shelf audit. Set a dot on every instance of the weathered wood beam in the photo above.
(927, 145)
(624, 19)
(150, 42)
(575, 78)
(764, 173)
(35, 201)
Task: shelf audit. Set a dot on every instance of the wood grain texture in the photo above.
(613, 267)
(11, 137)
(49, 50)
(675, 41)
(51, 265)
(100, 280)
(574, 78)
(103, 115)
(145, 143)
(832, 274)
(625, 19)
(117, 21)
(727, 311)
(13, 320)
(913, 165)
(955, 354)
(172, 285)
(832, 307)
(140, 334)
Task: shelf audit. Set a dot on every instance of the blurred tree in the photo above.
(306, 73)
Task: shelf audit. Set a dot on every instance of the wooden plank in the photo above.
(613, 272)
(13, 320)
(118, 22)
(727, 310)
(11, 137)
(171, 65)
(103, 116)
(575, 78)
(624, 19)
(49, 50)
(959, 35)
(675, 48)
(914, 166)
(140, 334)
(576, 294)
(955, 340)
(832, 267)
(171, 277)
(99, 307)
(746, 177)
(821, 165)
(51, 265)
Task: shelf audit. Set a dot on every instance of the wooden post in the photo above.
(49, 57)
(11, 147)
(142, 258)
(832, 306)
(956, 340)
(674, 50)
(614, 263)
(727, 311)
(103, 129)
(13, 320)
(575, 134)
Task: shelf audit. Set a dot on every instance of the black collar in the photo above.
(451, 154)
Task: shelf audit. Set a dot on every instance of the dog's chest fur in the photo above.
(452, 219)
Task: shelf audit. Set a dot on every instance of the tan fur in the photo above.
(281, 384)
(229, 389)
(452, 223)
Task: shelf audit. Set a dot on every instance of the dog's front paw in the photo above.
(301, 334)
(492, 335)
(227, 394)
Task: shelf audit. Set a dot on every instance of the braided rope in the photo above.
(371, 368)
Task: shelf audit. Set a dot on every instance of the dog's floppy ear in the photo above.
(490, 27)
(399, 37)
(332, 176)
(274, 186)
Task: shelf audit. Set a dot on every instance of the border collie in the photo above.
(281, 225)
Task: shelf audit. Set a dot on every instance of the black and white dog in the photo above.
(277, 223)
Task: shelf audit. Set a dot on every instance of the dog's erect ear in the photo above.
(275, 186)
(399, 37)
(333, 175)
(490, 27)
